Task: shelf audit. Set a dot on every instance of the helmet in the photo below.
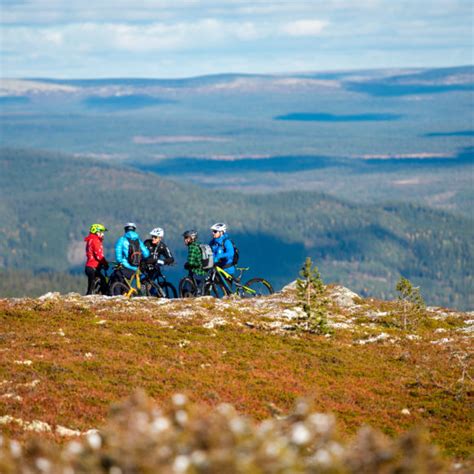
(157, 232)
(130, 226)
(97, 228)
(220, 227)
(190, 233)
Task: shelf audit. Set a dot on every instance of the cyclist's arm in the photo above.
(228, 253)
(119, 251)
(144, 249)
(166, 252)
(194, 257)
(98, 253)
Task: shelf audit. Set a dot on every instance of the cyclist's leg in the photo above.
(200, 282)
(103, 284)
(90, 272)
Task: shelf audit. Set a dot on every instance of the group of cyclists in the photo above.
(132, 254)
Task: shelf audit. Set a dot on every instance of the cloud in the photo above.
(207, 33)
(304, 27)
(192, 37)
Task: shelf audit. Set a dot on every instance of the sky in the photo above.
(183, 38)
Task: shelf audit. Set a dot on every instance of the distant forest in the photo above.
(49, 200)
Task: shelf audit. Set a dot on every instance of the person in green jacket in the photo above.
(194, 261)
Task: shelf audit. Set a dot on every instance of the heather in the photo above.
(66, 359)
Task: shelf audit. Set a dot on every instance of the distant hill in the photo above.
(49, 200)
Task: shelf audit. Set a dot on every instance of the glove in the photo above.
(187, 266)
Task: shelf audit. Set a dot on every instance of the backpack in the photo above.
(134, 253)
(235, 258)
(207, 256)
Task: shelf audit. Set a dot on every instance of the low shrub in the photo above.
(185, 438)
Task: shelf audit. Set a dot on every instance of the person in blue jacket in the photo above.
(222, 247)
(122, 247)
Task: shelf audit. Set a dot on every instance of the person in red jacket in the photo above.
(95, 258)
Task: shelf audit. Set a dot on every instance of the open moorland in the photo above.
(65, 359)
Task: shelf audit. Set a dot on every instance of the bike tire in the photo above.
(187, 288)
(163, 290)
(169, 289)
(152, 289)
(96, 287)
(214, 289)
(118, 288)
(261, 287)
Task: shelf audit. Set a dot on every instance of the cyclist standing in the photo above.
(194, 261)
(160, 254)
(222, 248)
(129, 251)
(95, 257)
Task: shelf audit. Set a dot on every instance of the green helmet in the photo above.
(97, 228)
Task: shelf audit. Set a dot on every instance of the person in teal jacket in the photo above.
(122, 246)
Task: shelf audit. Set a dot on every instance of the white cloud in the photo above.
(193, 37)
(304, 27)
(207, 33)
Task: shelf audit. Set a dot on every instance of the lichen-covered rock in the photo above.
(343, 297)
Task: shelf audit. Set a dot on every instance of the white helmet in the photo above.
(219, 227)
(157, 232)
(130, 226)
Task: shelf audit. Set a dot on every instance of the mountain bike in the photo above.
(219, 283)
(141, 284)
(127, 286)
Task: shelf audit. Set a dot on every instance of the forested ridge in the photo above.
(49, 200)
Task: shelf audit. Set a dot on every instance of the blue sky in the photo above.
(173, 38)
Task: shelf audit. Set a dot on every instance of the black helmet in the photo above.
(190, 233)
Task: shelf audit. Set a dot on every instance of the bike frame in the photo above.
(133, 288)
(226, 277)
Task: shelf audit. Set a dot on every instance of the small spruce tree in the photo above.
(412, 302)
(311, 297)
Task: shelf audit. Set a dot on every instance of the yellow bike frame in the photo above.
(236, 281)
(138, 285)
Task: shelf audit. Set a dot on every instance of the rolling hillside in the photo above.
(49, 200)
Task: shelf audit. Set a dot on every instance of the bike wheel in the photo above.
(214, 289)
(169, 289)
(96, 287)
(260, 287)
(150, 288)
(187, 288)
(118, 288)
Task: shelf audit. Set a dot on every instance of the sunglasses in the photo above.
(215, 231)
(153, 237)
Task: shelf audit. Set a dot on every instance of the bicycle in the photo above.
(127, 286)
(219, 283)
(140, 284)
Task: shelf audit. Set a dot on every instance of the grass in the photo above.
(88, 354)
